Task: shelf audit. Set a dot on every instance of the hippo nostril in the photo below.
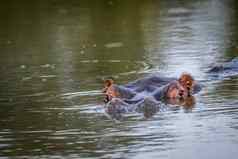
(181, 92)
(107, 99)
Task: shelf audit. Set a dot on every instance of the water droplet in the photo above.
(114, 44)
(26, 78)
(110, 3)
(45, 66)
(23, 66)
(82, 52)
(63, 11)
(94, 61)
(52, 66)
(9, 42)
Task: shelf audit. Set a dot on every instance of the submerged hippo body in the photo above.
(228, 69)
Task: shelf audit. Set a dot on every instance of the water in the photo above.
(55, 55)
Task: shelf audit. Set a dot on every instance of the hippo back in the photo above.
(228, 69)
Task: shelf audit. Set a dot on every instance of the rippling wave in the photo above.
(80, 94)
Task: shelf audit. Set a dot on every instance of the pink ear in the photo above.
(108, 82)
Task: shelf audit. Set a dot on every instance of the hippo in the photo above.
(150, 94)
(227, 69)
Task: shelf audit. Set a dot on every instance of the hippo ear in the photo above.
(186, 77)
(108, 82)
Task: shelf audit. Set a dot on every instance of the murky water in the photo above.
(54, 55)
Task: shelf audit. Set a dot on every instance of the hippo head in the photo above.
(187, 83)
(108, 90)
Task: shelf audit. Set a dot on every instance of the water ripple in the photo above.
(81, 93)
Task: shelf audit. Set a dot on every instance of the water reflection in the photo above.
(188, 36)
(54, 55)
